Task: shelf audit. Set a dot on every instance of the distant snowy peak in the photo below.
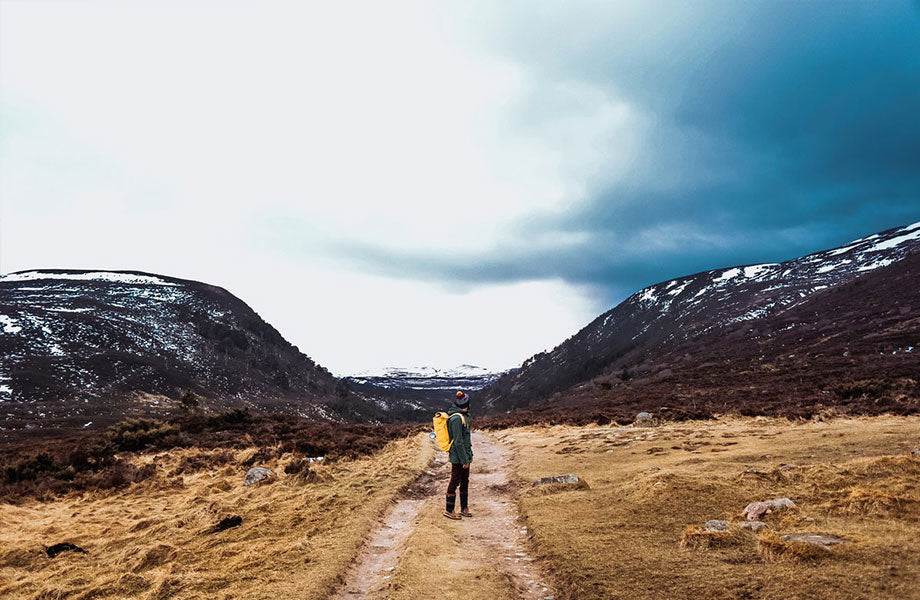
(422, 372)
(465, 376)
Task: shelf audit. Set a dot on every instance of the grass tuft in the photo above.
(771, 547)
(867, 501)
(695, 537)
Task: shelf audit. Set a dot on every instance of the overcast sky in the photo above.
(395, 183)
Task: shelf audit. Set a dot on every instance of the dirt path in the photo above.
(493, 537)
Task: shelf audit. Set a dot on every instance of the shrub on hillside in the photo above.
(97, 460)
(867, 387)
(137, 434)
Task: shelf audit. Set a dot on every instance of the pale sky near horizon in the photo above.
(423, 183)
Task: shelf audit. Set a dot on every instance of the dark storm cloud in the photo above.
(779, 128)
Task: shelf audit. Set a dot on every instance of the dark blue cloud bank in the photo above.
(778, 128)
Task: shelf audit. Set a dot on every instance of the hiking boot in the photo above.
(451, 515)
(465, 513)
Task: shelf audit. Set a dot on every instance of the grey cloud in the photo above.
(779, 129)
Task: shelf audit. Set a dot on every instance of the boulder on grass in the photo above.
(257, 474)
(644, 417)
(755, 510)
(754, 526)
(560, 479)
(715, 525)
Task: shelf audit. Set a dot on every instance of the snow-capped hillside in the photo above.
(80, 346)
(675, 311)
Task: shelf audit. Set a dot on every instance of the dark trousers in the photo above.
(458, 477)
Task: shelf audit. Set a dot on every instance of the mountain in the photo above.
(667, 329)
(79, 348)
(465, 377)
(415, 392)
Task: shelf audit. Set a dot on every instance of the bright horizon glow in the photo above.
(416, 183)
(132, 141)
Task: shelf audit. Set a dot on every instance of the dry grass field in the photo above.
(152, 540)
(635, 532)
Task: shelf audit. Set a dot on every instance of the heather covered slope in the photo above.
(672, 325)
(854, 348)
(86, 347)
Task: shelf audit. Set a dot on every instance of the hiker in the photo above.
(461, 455)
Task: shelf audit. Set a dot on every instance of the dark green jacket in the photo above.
(461, 451)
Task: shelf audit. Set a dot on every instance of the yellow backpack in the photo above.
(440, 429)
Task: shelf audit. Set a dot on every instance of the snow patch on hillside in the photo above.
(877, 264)
(6, 392)
(9, 325)
(676, 291)
(107, 276)
(727, 275)
(754, 271)
(896, 241)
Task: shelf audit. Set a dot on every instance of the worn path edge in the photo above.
(493, 537)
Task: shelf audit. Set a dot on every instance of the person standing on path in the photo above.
(460, 456)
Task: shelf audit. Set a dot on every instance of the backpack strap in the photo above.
(462, 418)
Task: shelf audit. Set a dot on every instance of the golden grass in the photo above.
(771, 547)
(694, 536)
(622, 538)
(875, 502)
(555, 488)
(150, 541)
(439, 562)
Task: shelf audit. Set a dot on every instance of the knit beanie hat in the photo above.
(462, 400)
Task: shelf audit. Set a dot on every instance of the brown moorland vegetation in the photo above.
(637, 532)
(158, 538)
(44, 468)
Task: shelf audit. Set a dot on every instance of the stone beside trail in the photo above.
(563, 479)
